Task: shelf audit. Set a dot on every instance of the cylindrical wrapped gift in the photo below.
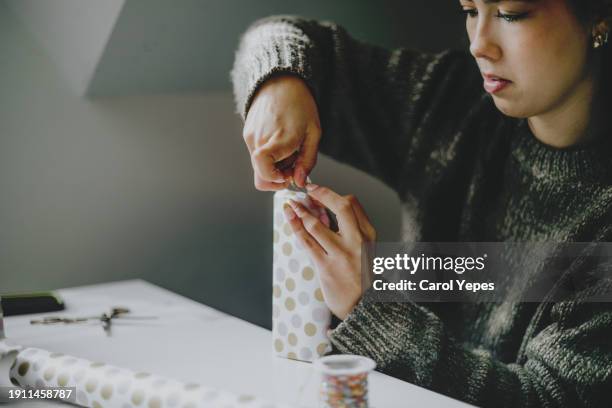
(99, 385)
(300, 318)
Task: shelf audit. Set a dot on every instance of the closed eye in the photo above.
(469, 12)
(511, 18)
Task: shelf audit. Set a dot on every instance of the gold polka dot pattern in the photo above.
(300, 318)
(290, 284)
(287, 248)
(307, 273)
(289, 304)
(310, 329)
(98, 385)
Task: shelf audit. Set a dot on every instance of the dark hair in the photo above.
(590, 10)
(590, 13)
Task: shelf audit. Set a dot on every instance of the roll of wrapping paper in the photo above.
(300, 318)
(99, 385)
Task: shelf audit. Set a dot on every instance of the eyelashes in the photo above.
(510, 18)
(468, 12)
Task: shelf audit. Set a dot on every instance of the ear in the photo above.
(600, 33)
(601, 28)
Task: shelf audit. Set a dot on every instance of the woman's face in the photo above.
(532, 54)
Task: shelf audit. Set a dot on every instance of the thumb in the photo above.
(307, 157)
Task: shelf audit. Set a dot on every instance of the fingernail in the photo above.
(311, 187)
(289, 214)
(297, 208)
(280, 178)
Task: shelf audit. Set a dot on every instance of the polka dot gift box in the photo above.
(300, 318)
(99, 385)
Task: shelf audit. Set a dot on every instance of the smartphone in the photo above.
(26, 303)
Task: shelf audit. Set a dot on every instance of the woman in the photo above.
(527, 158)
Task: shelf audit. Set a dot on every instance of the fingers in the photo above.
(323, 216)
(315, 250)
(263, 166)
(263, 185)
(264, 158)
(249, 140)
(341, 206)
(323, 235)
(287, 163)
(365, 225)
(307, 157)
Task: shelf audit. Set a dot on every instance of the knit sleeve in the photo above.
(568, 363)
(371, 100)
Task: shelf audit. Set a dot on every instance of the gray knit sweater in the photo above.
(422, 124)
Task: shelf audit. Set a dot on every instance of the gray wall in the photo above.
(74, 32)
(158, 45)
(153, 186)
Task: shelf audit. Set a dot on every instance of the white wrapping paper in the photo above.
(99, 385)
(300, 318)
(8, 353)
(1, 320)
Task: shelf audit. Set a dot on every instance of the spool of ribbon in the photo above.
(344, 381)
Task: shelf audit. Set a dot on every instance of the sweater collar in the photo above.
(590, 163)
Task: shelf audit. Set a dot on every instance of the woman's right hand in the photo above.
(283, 119)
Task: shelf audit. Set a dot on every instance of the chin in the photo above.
(511, 108)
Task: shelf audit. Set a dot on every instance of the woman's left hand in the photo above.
(337, 255)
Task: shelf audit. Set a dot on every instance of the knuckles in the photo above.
(308, 242)
(249, 141)
(259, 153)
(259, 184)
(312, 224)
(344, 205)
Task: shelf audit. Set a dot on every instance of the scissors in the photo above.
(289, 163)
(105, 318)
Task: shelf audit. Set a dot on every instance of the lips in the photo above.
(494, 83)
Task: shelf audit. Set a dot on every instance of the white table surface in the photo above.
(192, 342)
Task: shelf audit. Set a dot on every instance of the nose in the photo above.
(482, 42)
